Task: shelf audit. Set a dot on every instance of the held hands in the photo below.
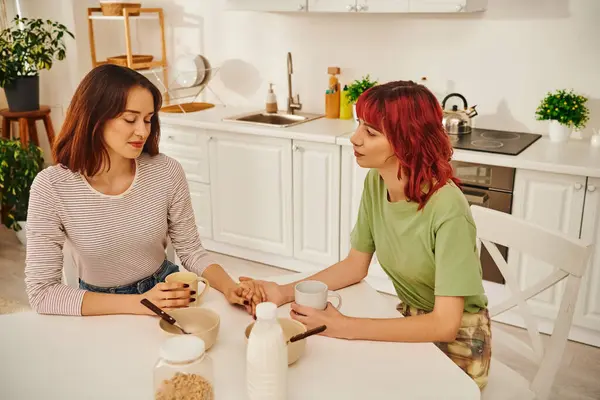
(269, 291)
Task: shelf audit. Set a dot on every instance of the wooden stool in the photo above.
(27, 129)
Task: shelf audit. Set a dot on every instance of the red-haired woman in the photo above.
(417, 219)
(116, 199)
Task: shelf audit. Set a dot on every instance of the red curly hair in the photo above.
(410, 116)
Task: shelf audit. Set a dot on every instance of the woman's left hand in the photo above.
(336, 322)
(246, 294)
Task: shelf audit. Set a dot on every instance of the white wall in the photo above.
(503, 60)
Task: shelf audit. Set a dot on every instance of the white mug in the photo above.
(314, 294)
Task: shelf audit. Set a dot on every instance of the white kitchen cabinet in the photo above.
(316, 171)
(251, 192)
(189, 146)
(587, 313)
(553, 201)
(200, 198)
(374, 6)
(267, 5)
(447, 6)
(353, 178)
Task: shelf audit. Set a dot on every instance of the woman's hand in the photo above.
(336, 322)
(168, 296)
(243, 295)
(270, 291)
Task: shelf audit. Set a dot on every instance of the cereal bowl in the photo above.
(290, 328)
(198, 321)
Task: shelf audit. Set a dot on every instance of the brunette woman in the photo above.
(116, 200)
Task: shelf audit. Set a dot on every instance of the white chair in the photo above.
(570, 257)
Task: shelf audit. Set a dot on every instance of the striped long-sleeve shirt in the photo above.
(116, 240)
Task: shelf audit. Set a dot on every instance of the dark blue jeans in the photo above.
(139, 287)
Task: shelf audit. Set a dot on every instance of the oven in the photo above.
(491, 187)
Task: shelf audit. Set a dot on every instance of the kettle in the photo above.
(458, 122)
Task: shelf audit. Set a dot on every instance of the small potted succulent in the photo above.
(18, 168)
(26, 47)
(356, 88)
(565, 110)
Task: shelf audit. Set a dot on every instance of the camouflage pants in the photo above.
(472, 349)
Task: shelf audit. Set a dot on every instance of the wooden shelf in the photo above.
(121, 18)
(141, 66)
(95, 14)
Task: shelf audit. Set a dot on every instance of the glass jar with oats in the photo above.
(184, 370)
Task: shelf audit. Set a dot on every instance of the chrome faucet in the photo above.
(292, 104)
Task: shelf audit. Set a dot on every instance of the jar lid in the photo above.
(266, 310)
(182, 348)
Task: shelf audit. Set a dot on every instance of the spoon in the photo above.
(306, 334)
(163, 315)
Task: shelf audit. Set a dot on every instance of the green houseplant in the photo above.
(18, 167)
(26, 47)
(356, 88)
(565, 110)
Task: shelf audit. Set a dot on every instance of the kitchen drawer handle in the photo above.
(578, 186)
(295, 147)
(300, 7)
(350, 7)
(591, 188)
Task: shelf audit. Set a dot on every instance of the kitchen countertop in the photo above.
(575, 157)
(321, 130)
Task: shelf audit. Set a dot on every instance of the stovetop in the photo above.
(493, 141)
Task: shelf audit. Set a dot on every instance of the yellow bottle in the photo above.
(345, 107)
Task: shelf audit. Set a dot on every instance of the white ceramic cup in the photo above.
(314, 294)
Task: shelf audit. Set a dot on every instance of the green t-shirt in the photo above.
(426, 253)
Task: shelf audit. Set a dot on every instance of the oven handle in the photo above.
(476, 197)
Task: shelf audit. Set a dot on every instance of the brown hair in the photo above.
(100, 97)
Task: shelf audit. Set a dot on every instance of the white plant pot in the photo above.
(22, 234)
(558, 132)
(354, 116)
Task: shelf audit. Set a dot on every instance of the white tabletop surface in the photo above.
(112, 357)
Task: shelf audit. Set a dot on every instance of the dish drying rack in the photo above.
(181, 94)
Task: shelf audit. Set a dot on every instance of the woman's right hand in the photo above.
(168, 296)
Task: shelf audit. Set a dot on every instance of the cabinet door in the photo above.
(554, 201)
(251, 192)
(382, 6)
(332, 5)
(200, 197)
(353, 179)
(189, 146)
(267, 5)
(448, 6)
(316, 202)
(587, 313)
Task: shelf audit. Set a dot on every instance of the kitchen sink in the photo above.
(280, 119)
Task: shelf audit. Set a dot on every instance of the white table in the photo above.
(112, 357)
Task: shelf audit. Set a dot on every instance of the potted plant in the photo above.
(18, 168)
(565, 110)
(356, 88)
(26, 47)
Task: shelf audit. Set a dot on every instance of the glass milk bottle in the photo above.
(266, 356)
(184, 370)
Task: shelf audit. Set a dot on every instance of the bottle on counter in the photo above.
(345, 106)
(271, 103)
(184, 370)
(332, 94)
(266, 356)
